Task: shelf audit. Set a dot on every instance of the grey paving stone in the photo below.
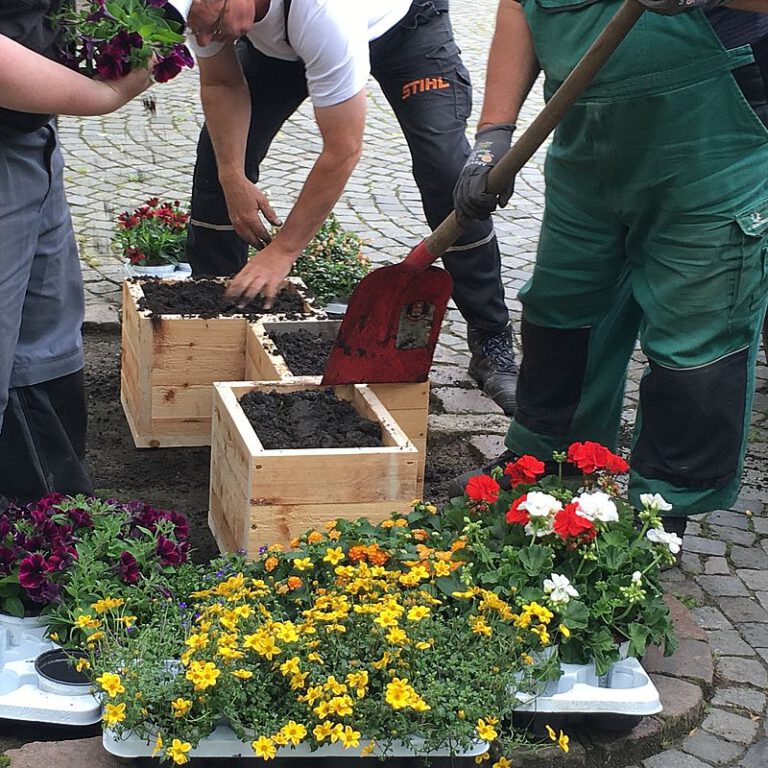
(730, 726)
(728, 642)
(715, 566)
(709, 617)
(757, 756)
(674, 758)
(710, 748)
(490, 446)
(731, 519)
(732, 669)
(722, 586)
(756, 580)
(741, 698)
(741, 609)
(702, 546)
(749, 557)
(735, 535)
(454, 400)
(755, 634)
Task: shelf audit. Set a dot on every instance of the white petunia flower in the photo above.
(539, 504)
(660, 536)
(655, 501)
(597, 506)
(559, 589)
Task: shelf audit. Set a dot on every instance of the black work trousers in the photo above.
(418, 66)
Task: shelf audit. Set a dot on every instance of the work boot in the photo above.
(493, 367)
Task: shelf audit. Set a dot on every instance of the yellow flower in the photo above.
(480, 626)
(551, 732)
(399, 693)
(110, 684)
(368, 748)
(441, 568)
(86, 621)
(396, 636)
(158, 745)
(349, 737)
(323, 730)
(303, 563)
(202, 674)
(340, 705)
(54, 636)
(564, 631)
(333, 556)
(485, 730)
(502, 762)
(562, 742)
(178, 751)
(291, 666)
(480, 759)
(127, 621)
(293, 732)
(243, 674)
(107, 604)
(418, 612)
(113, 713)
(264, 747)
(82, 664)
(181, 706)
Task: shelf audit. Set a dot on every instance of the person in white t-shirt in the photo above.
(326, 49)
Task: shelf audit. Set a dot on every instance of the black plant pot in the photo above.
(56, 672)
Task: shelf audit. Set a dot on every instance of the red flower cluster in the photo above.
(569, 524)
(482, 489)
(153, 234)
(525, 470)
(590, 457)
(168, 214)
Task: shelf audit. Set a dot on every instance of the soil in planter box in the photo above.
(304, 352)
(205, 298)
(308, 419)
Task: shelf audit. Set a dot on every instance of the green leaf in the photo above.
(13, 606)
(449, 584)
(535, 558)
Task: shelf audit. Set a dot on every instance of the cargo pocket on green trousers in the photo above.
(750, 276)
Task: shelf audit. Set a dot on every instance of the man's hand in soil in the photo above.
(245, 203)
(263, 275)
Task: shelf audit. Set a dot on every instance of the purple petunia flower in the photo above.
(33, 571)
(128, 568)
(170, 66)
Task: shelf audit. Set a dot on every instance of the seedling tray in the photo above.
(224, 743)
(20, 696)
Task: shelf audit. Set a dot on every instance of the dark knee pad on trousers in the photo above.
(42, 443)
(692, 427)
(547, 403)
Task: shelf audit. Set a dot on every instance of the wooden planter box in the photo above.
(260, 497)
(407, 403)
(169, 364)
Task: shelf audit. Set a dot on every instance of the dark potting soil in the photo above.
(304, 352)
(205, 298)
(313, 418)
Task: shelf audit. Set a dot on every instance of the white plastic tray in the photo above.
(20, 696)
(626, 690)
(224, 743)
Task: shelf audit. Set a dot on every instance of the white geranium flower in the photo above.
(637, 577)
(539, 504)
(542, 526)
(655, 501)
(660, 536)
(597, 506)
(559, 589)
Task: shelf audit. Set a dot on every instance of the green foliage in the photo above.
(333, 263)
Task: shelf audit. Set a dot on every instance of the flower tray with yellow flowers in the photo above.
(357, 639)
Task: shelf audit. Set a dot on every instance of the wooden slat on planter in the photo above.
(260, 497)
(407, 403)
(168, 366)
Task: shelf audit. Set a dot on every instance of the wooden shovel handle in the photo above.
(524, 148)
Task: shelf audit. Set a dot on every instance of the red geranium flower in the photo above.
(482, 488)
(569, 524)
(590, 457)
(517, 516)
(525, 470)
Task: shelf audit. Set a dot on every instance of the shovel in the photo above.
(393, 319)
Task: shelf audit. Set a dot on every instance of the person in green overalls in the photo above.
(656, 223)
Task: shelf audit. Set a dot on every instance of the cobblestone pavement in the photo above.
(117, 161)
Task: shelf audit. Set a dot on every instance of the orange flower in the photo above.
(376, 556)
(419, 534)
(357, 553)
(334, 535)
(294, 582)
(294, 543)
(424, 552)
(271, 563)
(314, 537)
(458, 544)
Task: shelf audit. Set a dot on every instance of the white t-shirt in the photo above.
(330, 36)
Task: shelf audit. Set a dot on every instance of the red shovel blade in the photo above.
(391, 326)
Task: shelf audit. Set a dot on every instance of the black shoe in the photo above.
(493, 367)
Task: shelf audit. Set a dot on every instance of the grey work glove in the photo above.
(673, 7)
(470, 198)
